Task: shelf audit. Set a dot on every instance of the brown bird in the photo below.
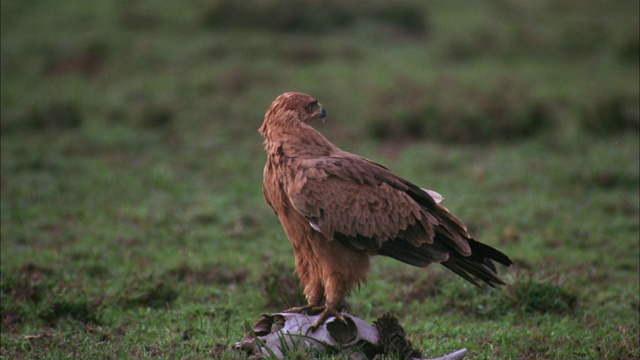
(339, 209)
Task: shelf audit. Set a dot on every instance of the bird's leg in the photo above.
(336, 288)
(314, 292)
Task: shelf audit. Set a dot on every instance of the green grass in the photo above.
(132, 218)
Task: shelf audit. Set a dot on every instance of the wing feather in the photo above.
(365, 206)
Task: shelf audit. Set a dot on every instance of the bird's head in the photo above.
(292, 109)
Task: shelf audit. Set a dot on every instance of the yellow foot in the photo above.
(307, 310)
(327, 313)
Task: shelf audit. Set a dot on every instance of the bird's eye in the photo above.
(312, 105)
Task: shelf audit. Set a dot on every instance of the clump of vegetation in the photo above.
(629, 48)
(34, 292)
(80, 310)
(209, 274)
(315, 17)
(419, 287)
(538, 296)
(505, 112)
(281, 287)
(145, 113)
(578, 32)
(613, 114)
(88, 61)
(606, 180)
(30, 283)
(57, 115)
(22, 292)
(158, 294)
(393, 338)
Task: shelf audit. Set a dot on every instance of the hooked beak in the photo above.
(323, 114)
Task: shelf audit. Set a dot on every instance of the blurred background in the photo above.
(132, 165)
(446, 72)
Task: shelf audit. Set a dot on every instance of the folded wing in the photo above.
(368, 208)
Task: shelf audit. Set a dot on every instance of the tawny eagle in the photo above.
(339, 209)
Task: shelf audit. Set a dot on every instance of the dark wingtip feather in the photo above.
(479, 265)
(489, 254)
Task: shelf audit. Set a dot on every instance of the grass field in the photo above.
(132, 217)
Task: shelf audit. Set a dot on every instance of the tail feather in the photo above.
(479, 265)
(489, 253)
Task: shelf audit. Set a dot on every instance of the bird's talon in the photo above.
(298, 310)
(326, 314)
(306, 310)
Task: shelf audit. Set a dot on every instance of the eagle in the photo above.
(339, 210)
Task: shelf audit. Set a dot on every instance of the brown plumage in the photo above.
(339, 209)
